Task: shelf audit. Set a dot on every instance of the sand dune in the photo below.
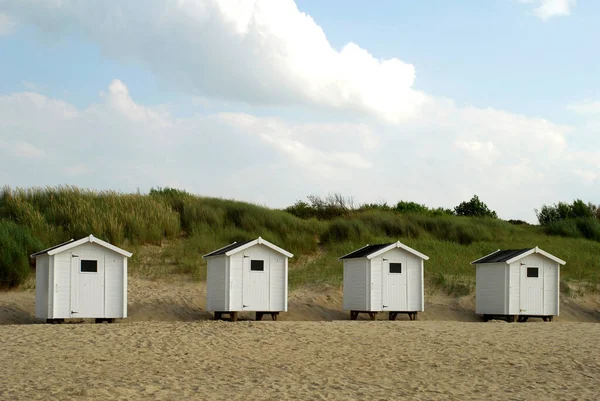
(185, 301)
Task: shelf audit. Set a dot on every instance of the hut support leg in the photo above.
(412, 315)
(274, 316)
(393, 315)
(233, 316)
(259, 316)
(373, 315)
(218, 315)
(353, 315)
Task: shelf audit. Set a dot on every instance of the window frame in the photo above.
(537, 272)
(87, 271)
(390, 268)
(261, 270)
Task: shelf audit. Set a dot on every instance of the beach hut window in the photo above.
(395, 267)
(89, 266)
(257, 265)
(532, 272)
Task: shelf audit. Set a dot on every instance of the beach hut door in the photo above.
(532, 290)
(394, 294)
(256, 284)
(87, 285)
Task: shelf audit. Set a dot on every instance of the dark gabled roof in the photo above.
(502, 255)
(227, 248)
(49, 249)
(365, 251)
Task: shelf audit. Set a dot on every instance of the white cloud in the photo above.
(7, 25)
(266, 52)
(586, 108)
(259, 51)
(441, 156)
(75, 170)
(26, 150)
(587, 175)
(547, 9)
(133, 145)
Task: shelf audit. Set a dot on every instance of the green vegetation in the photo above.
(169, 230)
(576, 220)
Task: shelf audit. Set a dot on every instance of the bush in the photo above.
(58, 214)
(16, 244)
(341, 230)
(474, 208)
(548, 214)
(385, 224)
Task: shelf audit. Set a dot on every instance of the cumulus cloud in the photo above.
(587, 108)
(441, 156)
(6, 24)
(547, 9)
(259, 51)
(120, 143)
(267, 52)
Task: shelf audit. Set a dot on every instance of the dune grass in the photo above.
(169, 230)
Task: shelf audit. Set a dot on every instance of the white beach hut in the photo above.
(384, 278)
(517, 284)
(249, 276)
(81, 279)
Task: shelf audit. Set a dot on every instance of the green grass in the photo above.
(170, 230)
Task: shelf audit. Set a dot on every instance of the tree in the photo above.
(474, 208)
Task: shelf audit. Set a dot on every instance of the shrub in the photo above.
(474, 208)
(341, 230)
(16, 244)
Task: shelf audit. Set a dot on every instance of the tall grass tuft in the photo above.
(16, 244)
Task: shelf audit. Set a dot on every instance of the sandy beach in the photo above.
(300, 360)
(169, 350)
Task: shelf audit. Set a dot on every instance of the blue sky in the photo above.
(432, 101)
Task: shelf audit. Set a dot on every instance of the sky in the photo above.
(269, 101)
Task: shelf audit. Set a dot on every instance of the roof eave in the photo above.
(350, 253)
(537, 250)
(400, 245)
(92, 239)
(260, 241)
(483, 257)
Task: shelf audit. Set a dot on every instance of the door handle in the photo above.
(244, 306)
(72, 313)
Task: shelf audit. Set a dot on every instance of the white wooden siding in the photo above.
(375, 293)
(62, 285)
(61, 290)
(408, 298)
(532, 289)
(415, 284)
(41, 288)
(114, 294)
(125, 286)
(526, 296)
(551, 287)
(236, 282)
(277, 282)
(51, 286)
(263, 291)
(491, 288)
(216, 284)
(514, 289)
(356, 284)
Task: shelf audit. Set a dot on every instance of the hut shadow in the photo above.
(10, 314)
(165, 311)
